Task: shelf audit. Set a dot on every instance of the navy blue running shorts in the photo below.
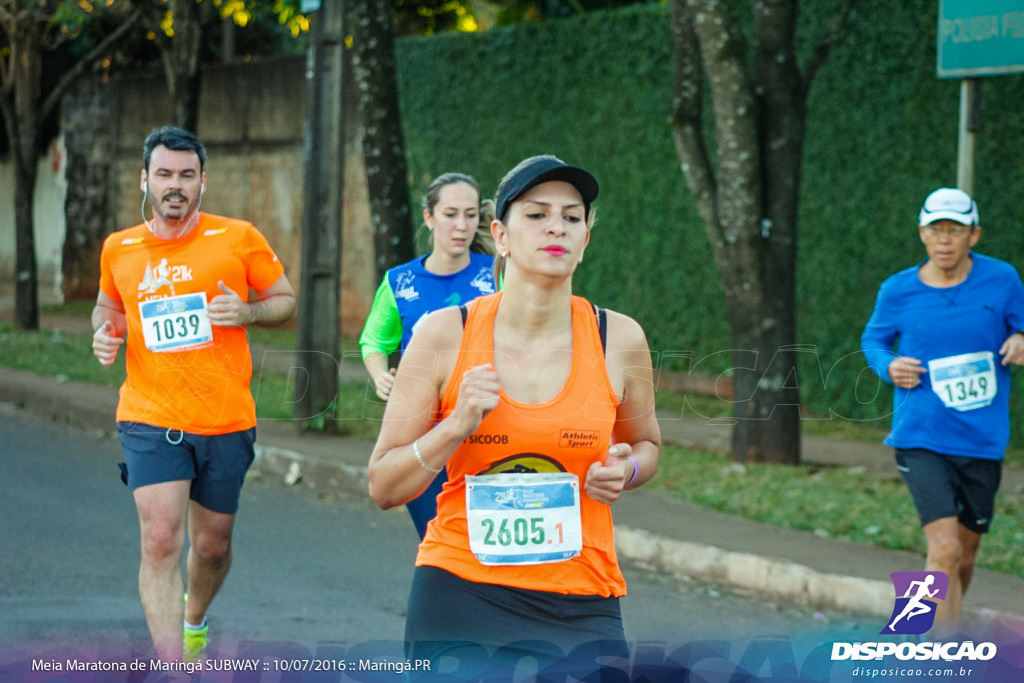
(216, 464)
(423, 507)
(951, 486)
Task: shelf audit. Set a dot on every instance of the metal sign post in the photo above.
(970, 114)
(977, 38)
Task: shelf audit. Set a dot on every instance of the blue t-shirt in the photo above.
(932, 323)
(410, 291)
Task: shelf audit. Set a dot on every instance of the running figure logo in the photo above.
(155, 278)
(916, 594)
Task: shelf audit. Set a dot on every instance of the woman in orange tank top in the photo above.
(541, 409)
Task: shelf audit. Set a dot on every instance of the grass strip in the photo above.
(845, 503)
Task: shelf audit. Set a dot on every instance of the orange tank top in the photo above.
(566, 434)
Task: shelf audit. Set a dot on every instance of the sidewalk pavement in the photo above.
(652, 529)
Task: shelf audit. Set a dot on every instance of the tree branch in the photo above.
(151, 15)
(738, 151)
(8, 23)
(12, 16)
(686, 116)
(821, 51)
(65, 82)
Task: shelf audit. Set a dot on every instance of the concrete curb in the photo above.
(292, 467)
(785, 580)
(81, 405)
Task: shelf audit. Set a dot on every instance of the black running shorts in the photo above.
(951, 486)
(472, 631)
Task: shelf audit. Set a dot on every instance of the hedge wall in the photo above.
(595, 90)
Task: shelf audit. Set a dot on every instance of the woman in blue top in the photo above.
(955, 320)
(459, 268)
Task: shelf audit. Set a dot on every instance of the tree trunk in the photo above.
(23, 113)
(749, 200)
(180, 56)
(765, 387)
(88, 138)
(748, 205)
(382, 141)
(779, 89)
(26, 271)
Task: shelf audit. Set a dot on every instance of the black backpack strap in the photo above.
(464, 311)
(602, 326)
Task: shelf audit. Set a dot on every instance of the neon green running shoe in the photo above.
(194, 642)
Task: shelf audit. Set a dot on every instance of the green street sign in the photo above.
(980, 38)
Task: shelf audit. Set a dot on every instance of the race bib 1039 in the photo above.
(177, 323)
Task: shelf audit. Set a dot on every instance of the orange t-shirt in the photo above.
(566, 434)
(205, 389)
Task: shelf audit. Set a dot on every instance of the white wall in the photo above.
(51, 189)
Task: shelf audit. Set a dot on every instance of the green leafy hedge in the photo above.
(595, 90)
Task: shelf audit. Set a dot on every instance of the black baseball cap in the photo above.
(541, 169)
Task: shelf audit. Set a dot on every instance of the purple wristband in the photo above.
(636, 468)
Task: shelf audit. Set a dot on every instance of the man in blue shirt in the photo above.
(955, 321)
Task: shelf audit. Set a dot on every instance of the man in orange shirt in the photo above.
(176, 288)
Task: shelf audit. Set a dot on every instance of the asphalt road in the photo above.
(311, 574)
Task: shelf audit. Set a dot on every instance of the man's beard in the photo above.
(173, 213)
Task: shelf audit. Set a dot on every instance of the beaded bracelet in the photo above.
(428, 468)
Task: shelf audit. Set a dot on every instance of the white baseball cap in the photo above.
(948, 203)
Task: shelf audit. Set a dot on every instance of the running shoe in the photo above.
(194, 642)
